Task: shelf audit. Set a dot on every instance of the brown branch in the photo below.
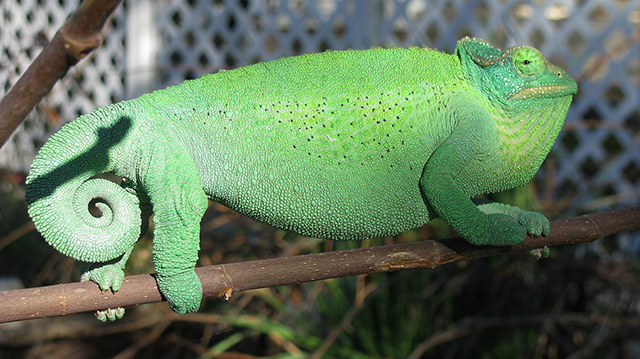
(224, 280)
(79, 35)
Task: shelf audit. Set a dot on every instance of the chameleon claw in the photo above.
(539, 253)
(110, 314)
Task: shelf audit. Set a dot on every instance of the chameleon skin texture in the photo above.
(336, 145)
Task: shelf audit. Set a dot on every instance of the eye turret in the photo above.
(528, 62)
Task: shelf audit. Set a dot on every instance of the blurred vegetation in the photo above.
(508, 306)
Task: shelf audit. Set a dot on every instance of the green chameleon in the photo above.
(335, 145)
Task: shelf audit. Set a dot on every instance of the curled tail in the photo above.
(61, 190)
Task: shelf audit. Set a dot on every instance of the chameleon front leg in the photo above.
(457, 210)
(464, 163)
(179, 202)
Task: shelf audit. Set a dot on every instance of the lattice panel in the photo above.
(595, 163)
(205, 36)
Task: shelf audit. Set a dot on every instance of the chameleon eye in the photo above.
(528, 62)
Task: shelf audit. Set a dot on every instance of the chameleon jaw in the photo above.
(544, 91)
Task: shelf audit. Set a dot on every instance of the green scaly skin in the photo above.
(337, 145)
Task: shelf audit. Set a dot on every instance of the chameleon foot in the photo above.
(110, 314)
(539, 253)
(182, 290)
(107, 276)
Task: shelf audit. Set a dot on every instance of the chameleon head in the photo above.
(516, 79)
(526, 96)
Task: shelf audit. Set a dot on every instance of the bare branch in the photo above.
(79, 35)
(224, 280)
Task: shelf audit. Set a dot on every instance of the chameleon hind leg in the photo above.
(173, 185)
(110, 274)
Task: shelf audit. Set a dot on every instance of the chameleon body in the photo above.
(337, 145)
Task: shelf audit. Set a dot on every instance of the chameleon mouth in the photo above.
(545, 91)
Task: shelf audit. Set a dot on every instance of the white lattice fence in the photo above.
(597, 157)
(26, 26)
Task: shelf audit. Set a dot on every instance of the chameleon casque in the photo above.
(336, 145)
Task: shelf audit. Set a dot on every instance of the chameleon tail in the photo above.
(61, 190)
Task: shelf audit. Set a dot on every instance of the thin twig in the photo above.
(345, 322)
(17, 233)
(145, 341)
